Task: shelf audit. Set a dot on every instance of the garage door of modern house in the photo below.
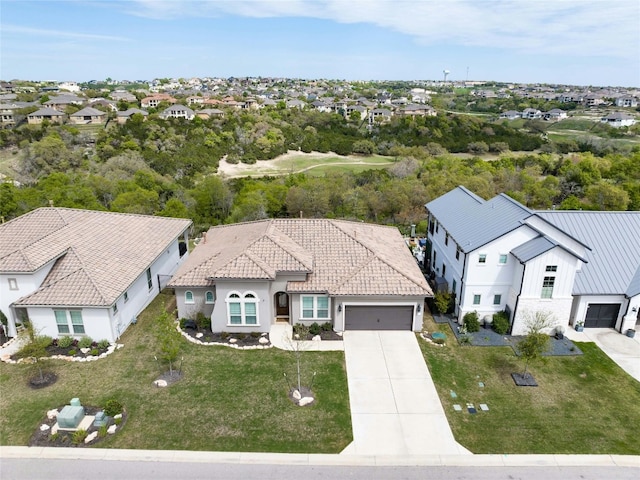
(602, 315)
(373, 317)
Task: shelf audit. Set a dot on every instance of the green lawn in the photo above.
(228, 400)
(583, 404)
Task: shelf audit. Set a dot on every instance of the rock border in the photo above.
(230, 345)
(89, 358)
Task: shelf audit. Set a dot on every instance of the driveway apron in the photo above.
(395, 409)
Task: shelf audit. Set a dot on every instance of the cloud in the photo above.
(59, 33)
(571, 27)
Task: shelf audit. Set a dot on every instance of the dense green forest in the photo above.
(168, 167)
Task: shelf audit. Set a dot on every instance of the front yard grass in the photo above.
(227, 400)
(584, 404)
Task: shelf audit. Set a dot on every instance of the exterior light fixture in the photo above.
(339, 308)
(419, 309)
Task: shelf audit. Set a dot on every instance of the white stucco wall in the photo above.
(27, 283)
(96, 322)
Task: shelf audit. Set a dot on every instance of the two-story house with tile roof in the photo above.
(354, 275)
(85, 273)
(496, 255)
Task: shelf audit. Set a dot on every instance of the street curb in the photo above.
(259, 458)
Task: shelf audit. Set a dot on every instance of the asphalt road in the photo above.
(63, 469)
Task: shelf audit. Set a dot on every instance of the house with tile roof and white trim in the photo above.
(353, 275)
(85, 273)
(498, 255)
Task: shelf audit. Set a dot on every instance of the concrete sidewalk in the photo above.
(259, 458)
(395, 409)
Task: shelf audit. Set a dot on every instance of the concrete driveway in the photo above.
(395, 409)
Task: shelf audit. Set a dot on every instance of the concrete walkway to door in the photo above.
(395, 409)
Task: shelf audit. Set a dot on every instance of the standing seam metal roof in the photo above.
(473, 222)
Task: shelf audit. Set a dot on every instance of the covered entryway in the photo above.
(374, 317)
(281, 301)
(602, 315)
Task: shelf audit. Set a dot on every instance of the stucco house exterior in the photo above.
(46, 113)
(85, 273)
(124, 117)
(88, 115)
(178, 111)
(497, 255)
(247, 276)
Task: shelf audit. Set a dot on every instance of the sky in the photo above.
(574, 42)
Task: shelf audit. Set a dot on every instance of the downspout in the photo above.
(462, 277)
(515, 308)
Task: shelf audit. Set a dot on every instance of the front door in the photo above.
(282, 304)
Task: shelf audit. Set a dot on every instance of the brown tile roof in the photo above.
(97, 254)
(339, 257)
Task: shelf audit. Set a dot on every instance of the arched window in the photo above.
(242, 309)
(188, 297)
(208, 297)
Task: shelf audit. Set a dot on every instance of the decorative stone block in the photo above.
(75, 402)
(100, 420)
(70, 416)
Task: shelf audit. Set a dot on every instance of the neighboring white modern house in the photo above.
(353, 275)
(618, 119)
(85, 273)
(498, 255)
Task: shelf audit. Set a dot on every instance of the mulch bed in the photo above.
(242, 339)
(324, 335)
(72, 351)
(48, 378)
(64, 438)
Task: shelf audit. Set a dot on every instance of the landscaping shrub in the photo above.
(65, 342)
(500, 323)
(85, 342)
(79, 436)
(224, 335)
(255, 334)
(314, 329)
(441, 301)
(326, 327)
(72, 352)
(470, 320)
(46, 341)
(103, 344)
(112, 407)
(95, 352)
(203, 321)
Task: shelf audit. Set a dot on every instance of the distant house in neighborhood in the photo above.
(361, 111)
(207, 113)
(85, 273)
(554, 114)
(350, 274)
(531, 113)
(63, 101)
(122, 117)
(88, 115)
(178, 111)
(593, 100)
(511, 115)
(627, 102)
(380, 115)
(154, 100)
(49, 114)
(295, 103)
(497, 255)
(119, 95)
(8, 111)
(415, 110)
(619, 119)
